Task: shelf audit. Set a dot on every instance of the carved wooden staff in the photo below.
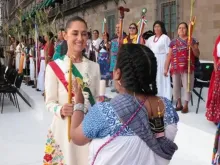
(190, 31)
(121, 21)
(142, 23)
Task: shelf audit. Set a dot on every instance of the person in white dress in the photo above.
(59, 150)
(17, 54)
(95, 44)
(41, 75)
(32, 61)
(159, 44)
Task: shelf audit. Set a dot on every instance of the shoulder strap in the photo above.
(60, 75)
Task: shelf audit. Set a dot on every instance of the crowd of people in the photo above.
(139, 125)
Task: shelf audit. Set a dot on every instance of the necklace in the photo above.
(155, 40)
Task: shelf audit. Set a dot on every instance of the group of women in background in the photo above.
(172, 58)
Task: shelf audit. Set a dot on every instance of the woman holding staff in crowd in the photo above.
(59, 150)
(178, 59)
(133, 34)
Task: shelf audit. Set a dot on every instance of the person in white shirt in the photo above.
(94, 48)
(17, 55)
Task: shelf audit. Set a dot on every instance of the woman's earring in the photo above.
(119, 82)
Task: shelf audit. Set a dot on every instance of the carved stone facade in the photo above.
(207, 12)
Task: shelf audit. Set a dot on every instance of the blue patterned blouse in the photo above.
(101, 120)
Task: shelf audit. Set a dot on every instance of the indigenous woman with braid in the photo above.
(178, 60)
(136, 127)
(59, 150)
(133, 34)
(159, 44)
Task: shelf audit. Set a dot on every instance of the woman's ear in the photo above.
(64, 35)
(117, 74)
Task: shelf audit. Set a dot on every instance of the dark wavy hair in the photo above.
(129, 37)
(162, 25)
(96, 31)
(42, 40)
(138, 67)
(147, 34)
(50, 35)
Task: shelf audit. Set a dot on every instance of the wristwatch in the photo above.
(79, 107)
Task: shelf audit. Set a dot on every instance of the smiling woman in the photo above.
(58, 148)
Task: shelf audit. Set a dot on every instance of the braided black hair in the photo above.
(138, 67)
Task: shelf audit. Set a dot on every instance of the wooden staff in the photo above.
(69, 96)
(143, 21)
(190, 31)
(121, 21)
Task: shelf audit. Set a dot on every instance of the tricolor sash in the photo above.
(59, 73)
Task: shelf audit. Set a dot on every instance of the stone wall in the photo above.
(94, 16)
(207, 23)
(207, 12)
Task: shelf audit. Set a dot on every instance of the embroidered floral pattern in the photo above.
(53, 154)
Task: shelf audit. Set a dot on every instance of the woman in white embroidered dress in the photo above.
(17, 54)
(32, 61)
(41, 75)
(58, 149)
(159, 44)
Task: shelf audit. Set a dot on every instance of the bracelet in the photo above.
(79, 107)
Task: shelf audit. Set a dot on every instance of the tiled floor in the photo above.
(22, 135)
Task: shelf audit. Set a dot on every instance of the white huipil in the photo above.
(41, 75)
(58, 149)
(160, 47)
(96, 43)
(32, 66)
(17, 56)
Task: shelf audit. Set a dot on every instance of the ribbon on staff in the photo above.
(141, 24)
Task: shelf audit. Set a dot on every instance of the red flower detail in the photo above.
(48, 157)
